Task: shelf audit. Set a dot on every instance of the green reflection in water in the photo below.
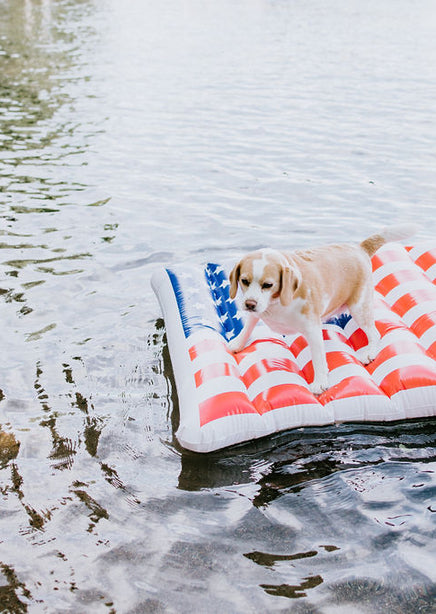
(39, 55)
(20, 264)
(9, 446)
(12, 591)
(293, 591)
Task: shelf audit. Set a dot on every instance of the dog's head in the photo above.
(264, 276)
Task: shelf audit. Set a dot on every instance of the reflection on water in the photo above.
(37, 135)
(335, 504)
(132, 137)
(9, 447)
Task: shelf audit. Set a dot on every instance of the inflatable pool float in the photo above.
(226, 398)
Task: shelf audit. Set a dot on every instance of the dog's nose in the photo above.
(250, 305)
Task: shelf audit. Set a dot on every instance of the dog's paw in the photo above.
(319, 386)
(235, 345)
(367, 354)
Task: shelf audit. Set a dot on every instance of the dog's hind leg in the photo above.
(363, 313)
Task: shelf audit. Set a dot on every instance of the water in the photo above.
(139, 134)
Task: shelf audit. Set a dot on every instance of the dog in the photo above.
(295, 292)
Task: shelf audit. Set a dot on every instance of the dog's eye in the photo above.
(245, 282)
(267, 285)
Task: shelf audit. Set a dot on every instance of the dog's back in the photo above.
(333, 276)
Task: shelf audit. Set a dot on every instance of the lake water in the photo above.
(139, 134)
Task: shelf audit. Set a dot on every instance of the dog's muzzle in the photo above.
(250, 305)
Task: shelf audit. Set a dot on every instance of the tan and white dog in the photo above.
(295, 292)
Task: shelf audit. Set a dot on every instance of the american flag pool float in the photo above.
(226, 398)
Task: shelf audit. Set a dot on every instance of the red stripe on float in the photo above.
(223, 405)
(239, 356)
(340, 358)
(253, 347)
(376, 262)
(298, 345)
(396, 348)
(405, 378)
(301, 344)
(335, 358)
(354, 386)
(387, 326)
(269, 366)
(393, 280)
(432, 350)
(307, 372)
(206, 346)
(215, 370)
(425, 261)
(358, 339)
(384, 257)
(422, 324)
(409, 300)
(284, 395)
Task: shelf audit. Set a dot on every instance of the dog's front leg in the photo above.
(239, 342)
(319, 361)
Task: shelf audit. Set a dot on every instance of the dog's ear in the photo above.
(290, 282)
(234, 279)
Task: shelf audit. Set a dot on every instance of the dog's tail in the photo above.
(390, 233)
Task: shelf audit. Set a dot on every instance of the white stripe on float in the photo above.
(397, 336)
(386, 314)
(276, 378)
(204, 334)
(401, 361)
(392, 267)
(220, 385)
(304, 357)
(267, 351)
(337, 375)
(350, 327)
(330, 345)
(428, 338)
(406, 288)
(337, 345)
(431, 272)
(215, 356)
(415, 312)
(419, 250)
